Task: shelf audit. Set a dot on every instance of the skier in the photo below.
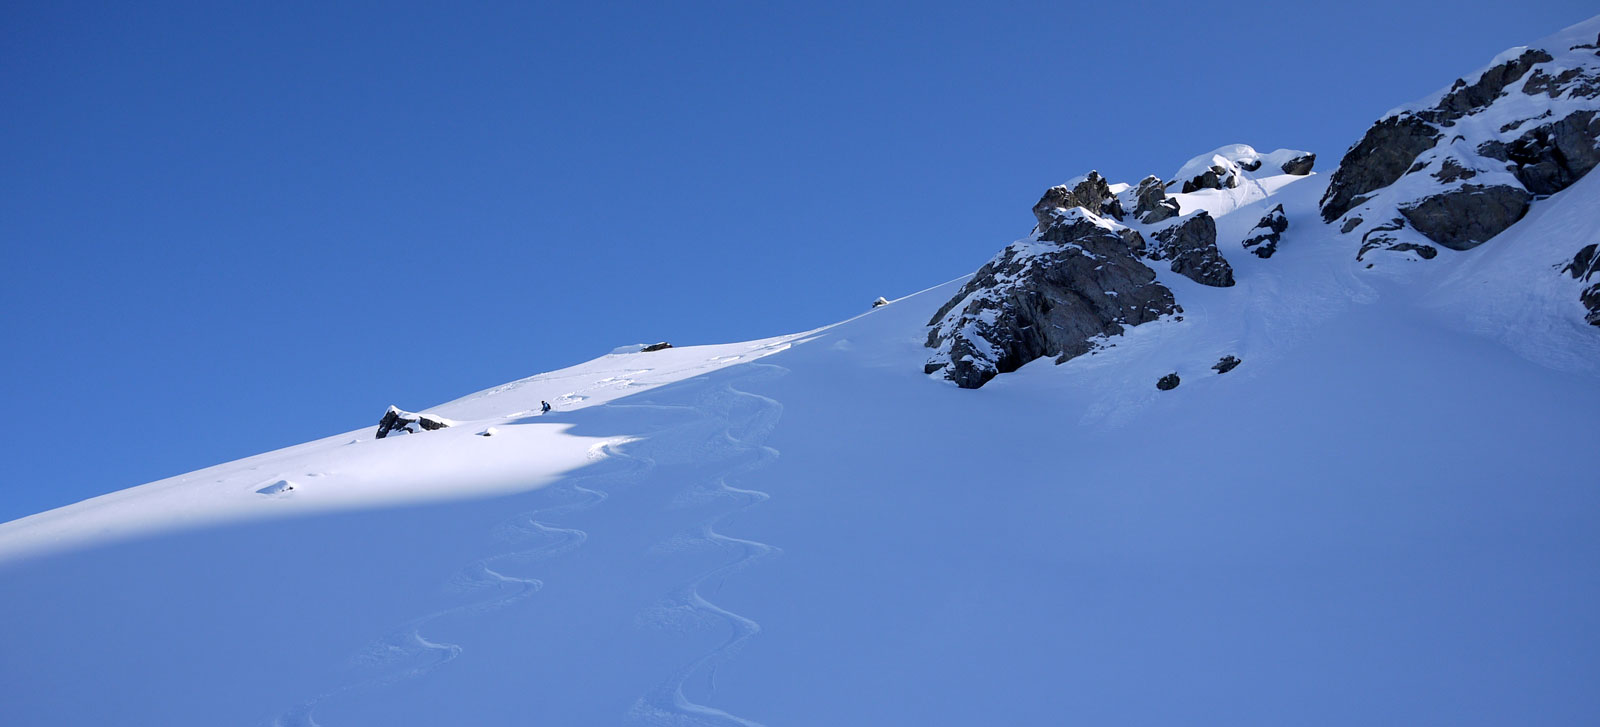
(544, 407)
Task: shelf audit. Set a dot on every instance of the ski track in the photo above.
(406, 653)
(668, 705)
(419, 655)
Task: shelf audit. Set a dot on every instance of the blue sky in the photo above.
(232, 229)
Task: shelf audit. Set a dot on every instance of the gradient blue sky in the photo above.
(229, 228)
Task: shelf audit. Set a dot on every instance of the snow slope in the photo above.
(525, 450)
(1385, 515)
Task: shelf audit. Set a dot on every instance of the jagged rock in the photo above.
(1384, 154)
(662, 346)
(1049, 296)
(1191, 245)
(1226, 364)
(1467, 216)
(1262, 240)
(1091, 192)
(400, 420)
(1585, 266)
(1468, 199)
(1465, 98)
(1168, 382)
(1553, 156)
(1350, 224)
(1153, 205)
(1213, 178)
(880, 302)
(1300, 165)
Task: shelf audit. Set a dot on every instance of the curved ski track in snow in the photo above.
(415, 653)
(742, 435)
(740, 421)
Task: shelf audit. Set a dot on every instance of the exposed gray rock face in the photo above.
(1262, 240)
(1465, 98)
(1468, 165)
(1048, 296)
(1168, 382)
(1226, 364)
(1585, 266)
(1091, 192)
(1387, 150)
(1152, 203)
(1191, 245)
(1551, 157)
(400, 420)
(1300, 165)
(1467, 216)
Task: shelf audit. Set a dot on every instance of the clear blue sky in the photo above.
(229, 228)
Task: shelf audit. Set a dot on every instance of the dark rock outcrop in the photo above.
(1226, 364)
(1387, 150)
(1467, 216)
(1300, 165)
(1262, 240)
(1524, 115)
(1213, 178)
(662, 346)
(880, 302)
(1092, 193)
(1585, 266)
(1191, 245)
(1050, 296)
(1152, 204)
(1551, 157)
(1464, 98)
(400, 420)
(1168, 382)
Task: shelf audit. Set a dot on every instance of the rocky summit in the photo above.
(1445, 175)
(1090, 267)
(1463, 165)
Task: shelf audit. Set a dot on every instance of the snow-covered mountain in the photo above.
(1253, 444)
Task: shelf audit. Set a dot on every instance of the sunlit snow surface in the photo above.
(1384, 515)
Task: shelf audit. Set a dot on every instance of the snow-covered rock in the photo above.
(1049, 295)
(1150, 201)
(399, 420)
(1585, 267)
(1227, 166)
(1191, 245)
(1090, 192)
(1262, 240)
(1461, 166)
